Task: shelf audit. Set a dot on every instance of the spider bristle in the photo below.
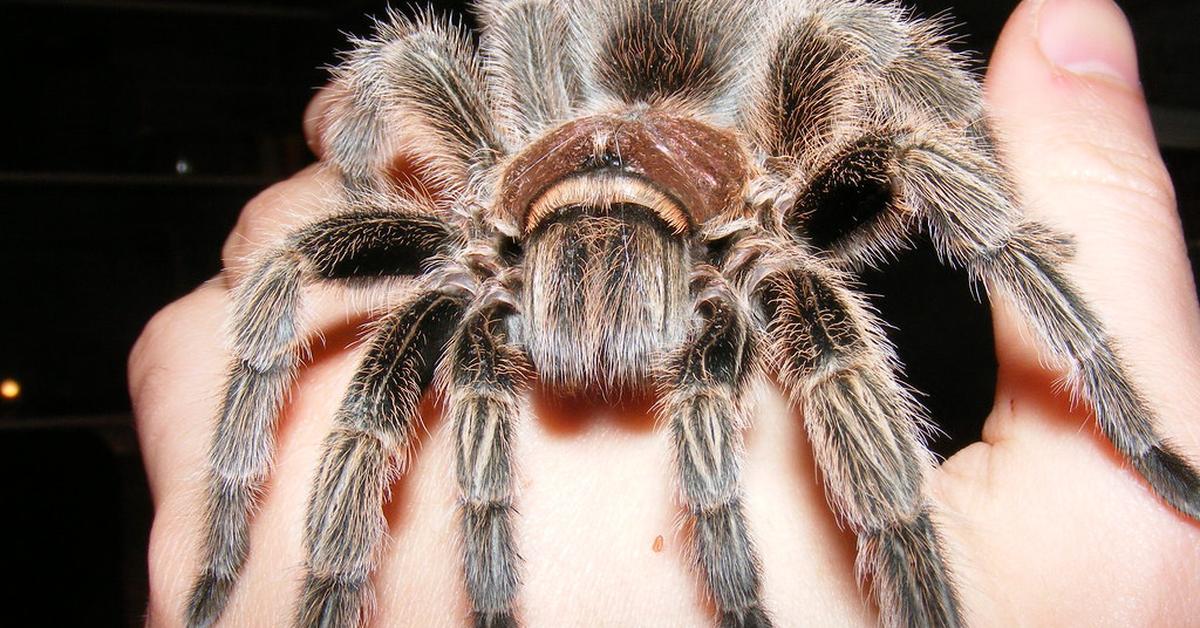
(805, 78)
(495, 620)
(908, 573)
(208, 599)
(1172, 476)
(532, 66)
(754, 617)
(678, 53)
(329, 602)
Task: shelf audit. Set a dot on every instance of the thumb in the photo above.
(1047, 521)
(1067, 105)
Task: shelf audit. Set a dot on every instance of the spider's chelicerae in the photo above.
(637, 194)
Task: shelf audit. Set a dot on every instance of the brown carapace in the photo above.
(646, 194)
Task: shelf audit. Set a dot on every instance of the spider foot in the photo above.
(208, 599)
(498, 619)
(910, 575)
(753, 617)
(331, 602)
(1172, 477)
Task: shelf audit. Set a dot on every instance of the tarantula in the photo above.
(637, 194)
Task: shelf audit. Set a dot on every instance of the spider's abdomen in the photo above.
(605, 291)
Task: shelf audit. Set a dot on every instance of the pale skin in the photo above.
(1045, 524)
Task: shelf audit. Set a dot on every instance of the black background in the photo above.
(135, 132)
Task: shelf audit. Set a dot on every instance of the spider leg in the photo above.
(416, 79)
(836, 72)
(525, 46)
(848, 205)
(866, 430)
(683, 54)
(1026, 268)
(970, 210)
(267, 340)
(830, 64)
(905, 62)
(486, 380)
(703, 384)
(806, 75)
(373, 430)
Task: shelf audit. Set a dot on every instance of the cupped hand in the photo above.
(1044, 523)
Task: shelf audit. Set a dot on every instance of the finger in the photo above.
(175, 372)
(285, 206)
(277, 211)
(314, 120)
(172, 370)
(1063, 89)
(1044, 517)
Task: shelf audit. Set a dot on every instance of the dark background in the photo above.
(136, 130)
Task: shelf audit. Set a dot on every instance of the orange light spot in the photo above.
(658, 544)
(10, 389)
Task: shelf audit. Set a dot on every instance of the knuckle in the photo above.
(1122, 162)
(148, 344)
(274, 212)
(257, 223)
(315, 118)
(156, 340)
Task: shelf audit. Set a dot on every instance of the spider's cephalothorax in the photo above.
(606, 206)
(638, 193)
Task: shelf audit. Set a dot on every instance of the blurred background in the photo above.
(136, 132)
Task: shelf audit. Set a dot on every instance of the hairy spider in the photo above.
(636, 194)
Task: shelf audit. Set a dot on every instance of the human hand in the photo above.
(1052, 526)
(1043, 522)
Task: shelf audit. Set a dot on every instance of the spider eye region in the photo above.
(606, 158)
(680, 169)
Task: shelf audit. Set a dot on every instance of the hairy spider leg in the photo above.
(906, 62)
(268, 340)
(821, 61)
(836, 72)
(373, 432)
(486, 390)
(866, 429)
(416, 87)
(266, 347)
(1026, 270)
(702, 384)
(969, 208)
(530, 63)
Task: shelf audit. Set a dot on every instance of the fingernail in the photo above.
(1088, 37)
